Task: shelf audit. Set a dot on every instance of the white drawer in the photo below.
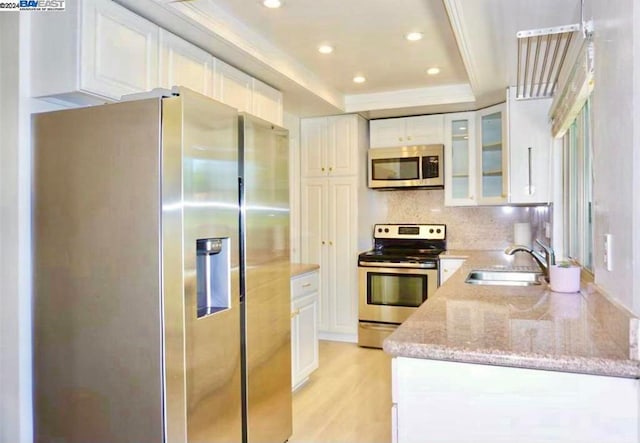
(304, 284)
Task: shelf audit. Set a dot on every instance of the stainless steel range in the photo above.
(396, 277)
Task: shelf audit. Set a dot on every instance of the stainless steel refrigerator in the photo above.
(161, 253)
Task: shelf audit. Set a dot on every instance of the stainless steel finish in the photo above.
(97, 272)
(407, 152)
(122, 192)
(532, 51)
(265, 152)
(210, 209)
(425, 232)
(529, 189)
(503, 278)
(399, 265)
(544, 262)
(371, 335)
(390, 314)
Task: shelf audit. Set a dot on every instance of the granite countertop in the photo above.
(302, 268)
(524, 327)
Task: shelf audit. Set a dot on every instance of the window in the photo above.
(578, 189)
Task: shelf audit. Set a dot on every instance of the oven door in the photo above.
(391, 295)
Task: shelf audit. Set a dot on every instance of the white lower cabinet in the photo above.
(447, 402)
(448, 266)
(304, 327)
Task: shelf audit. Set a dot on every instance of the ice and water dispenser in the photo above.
(213, 275)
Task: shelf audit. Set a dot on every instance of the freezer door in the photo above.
(265, 151)
(201, 270)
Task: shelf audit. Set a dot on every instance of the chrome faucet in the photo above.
(545, 262)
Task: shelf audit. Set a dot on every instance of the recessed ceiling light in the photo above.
(272, 3)
(413, 36)
(325, 49)
(359, 79)
(433, 71)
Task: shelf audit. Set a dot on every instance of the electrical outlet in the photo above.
(607, 256)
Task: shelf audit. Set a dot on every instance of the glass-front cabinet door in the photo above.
(460, 159)
(492, 155)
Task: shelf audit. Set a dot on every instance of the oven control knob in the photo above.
(386, 230)
(438, 230)
(431, 231)
(379, 229)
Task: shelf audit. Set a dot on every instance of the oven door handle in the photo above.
(397, 265)
(378, 327)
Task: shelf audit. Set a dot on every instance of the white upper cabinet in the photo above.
(405, 131)
(233, 87)
(183, 64)
(95, 50)
(492, 155)
(460, 159)
(329, 145)
(266, 102)
(529, 150)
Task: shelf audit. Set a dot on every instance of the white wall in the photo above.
(15, 230)
(616, 146)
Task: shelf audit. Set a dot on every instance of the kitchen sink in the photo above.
(503, 278)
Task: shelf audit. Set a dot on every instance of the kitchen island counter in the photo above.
(521, 327)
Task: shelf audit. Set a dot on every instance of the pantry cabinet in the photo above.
(304, 327)
(328, 145)
(405, 131)
(330, 211)
(183, 64)
(329, 238)
(95, 50)
(492, 155)
(530, 144)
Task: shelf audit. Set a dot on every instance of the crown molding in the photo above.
(407, 98)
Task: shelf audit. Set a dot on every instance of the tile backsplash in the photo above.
(486, 227)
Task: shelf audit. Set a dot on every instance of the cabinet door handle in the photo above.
(330, 243)
(306, 285)
(322, 169)
(330, 168)
(529, 188)
(323, 242)
(409, 138)
(399, 139)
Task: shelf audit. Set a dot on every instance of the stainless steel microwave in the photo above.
(419, 166)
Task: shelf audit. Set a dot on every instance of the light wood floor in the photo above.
(347, 400)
